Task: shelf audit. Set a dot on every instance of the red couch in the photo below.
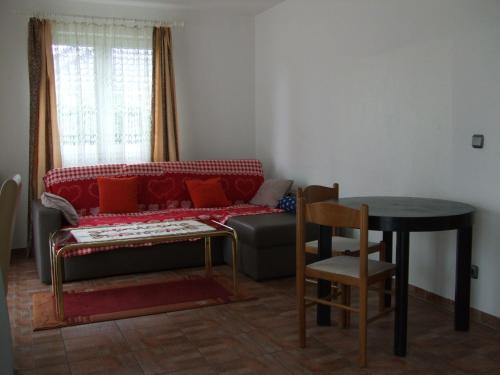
(162, 196)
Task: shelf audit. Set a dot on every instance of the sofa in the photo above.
(266, 235)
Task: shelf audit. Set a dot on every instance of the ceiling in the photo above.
(249, 7)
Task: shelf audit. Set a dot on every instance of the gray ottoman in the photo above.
(267, 244)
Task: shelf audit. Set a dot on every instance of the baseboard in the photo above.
(447, 304)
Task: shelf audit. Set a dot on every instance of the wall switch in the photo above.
(474, 272)
(478, 140)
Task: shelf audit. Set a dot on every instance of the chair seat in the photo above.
(349, 266)
(341, 245)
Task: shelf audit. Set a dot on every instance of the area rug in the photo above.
(125, 301)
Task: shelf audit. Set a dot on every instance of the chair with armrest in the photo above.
(9, 200)
(348, 271)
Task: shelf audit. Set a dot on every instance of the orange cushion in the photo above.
(117, 194)
(207, 193)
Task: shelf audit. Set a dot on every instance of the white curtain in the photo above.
(103, 89)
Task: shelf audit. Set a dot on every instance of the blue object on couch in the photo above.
(288, 203)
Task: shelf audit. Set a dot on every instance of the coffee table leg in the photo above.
(59, 295)
(400, 327)
(388, 258)
(52, 277)
(462, 279)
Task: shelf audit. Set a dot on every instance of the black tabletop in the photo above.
(413, 214)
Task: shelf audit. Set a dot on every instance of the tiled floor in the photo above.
(254, 337)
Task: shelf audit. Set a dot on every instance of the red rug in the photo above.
(99, 304)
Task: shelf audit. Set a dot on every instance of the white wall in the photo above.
(214, 63)
(383, 97)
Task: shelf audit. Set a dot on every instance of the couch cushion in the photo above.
(271, 191)
(59, 203)
(207, 193)
(265, 230)
(117, 194)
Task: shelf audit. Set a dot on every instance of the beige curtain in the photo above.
(44, 151)
(164, 111)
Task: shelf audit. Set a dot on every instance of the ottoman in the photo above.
(267, 244)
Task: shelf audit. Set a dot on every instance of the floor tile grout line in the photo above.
(129, 347)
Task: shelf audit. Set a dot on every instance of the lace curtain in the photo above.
(103, 89)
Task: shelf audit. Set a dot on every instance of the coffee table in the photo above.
(74, 241)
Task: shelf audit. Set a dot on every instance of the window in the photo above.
(103, 88)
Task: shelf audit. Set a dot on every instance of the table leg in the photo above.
(387, 237)
(462, 279)
(400, 326)
(323, 312)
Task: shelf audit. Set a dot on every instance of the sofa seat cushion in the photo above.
(267, 230)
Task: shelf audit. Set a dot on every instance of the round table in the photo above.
(407, 214)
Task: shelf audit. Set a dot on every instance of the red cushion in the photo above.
(117, 194)
(207, 193)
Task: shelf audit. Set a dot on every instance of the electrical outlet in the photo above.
(478, 141)
(474, 272)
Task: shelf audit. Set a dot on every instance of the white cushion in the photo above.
(270, 192)
(349, 266)
(59, 203)
(342, 244)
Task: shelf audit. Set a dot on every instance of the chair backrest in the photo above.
(9, 200)
(318, 193)
(331, 214)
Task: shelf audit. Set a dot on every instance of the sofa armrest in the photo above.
(45, 221)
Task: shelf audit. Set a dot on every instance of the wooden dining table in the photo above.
(404, 215)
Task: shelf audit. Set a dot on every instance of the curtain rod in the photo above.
(98, 20)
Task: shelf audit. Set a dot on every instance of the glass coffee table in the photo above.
(83, 241)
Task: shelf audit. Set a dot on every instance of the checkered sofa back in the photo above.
(161, 184)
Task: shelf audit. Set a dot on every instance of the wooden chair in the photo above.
(9, 200)
(341, 245)
(359, 272)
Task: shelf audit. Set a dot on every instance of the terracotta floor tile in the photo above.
(173, 359)
(204, 370)
(99, 344)
(116, 364)
(50, 370)
(48, 353)
(88, 329)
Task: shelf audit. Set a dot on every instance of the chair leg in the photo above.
(381, 293)
(302, 312)
(346, 300)
(381, 296)
(363, 315)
